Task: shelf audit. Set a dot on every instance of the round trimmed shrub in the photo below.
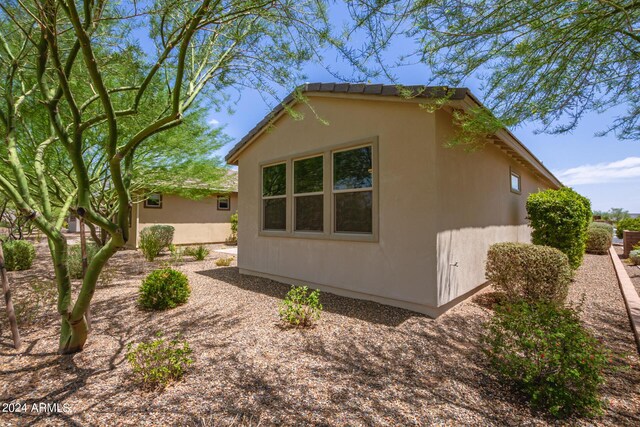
(634, 257)
(603, 226)
(530, 272)
(598, 240)
(544, 351)
(163, 289)
(18, 255)
(560, 219)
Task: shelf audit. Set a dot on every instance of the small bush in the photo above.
(544, 350)
(200, 252)
(18, 255)
(154, 239)
(74, 260)
(630, 224)
(559, 219)
(224, 262)
(634, 257)
(530, 272)
(602, 225)
(163, 289)
(598, 240)
(301, 308)
(233, 238)
(156, 363)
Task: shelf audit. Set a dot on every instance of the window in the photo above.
(308, 194)
(353, 190)
(328, 194)
(153, 201)
(274, 197)
(515, 183)
(223, 203)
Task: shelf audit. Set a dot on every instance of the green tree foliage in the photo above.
(559, 219)
(86, 107)
(550, 61)
(630, 224)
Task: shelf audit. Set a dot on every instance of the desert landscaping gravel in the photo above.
(363, 364)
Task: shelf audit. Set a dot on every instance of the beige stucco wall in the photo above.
(476, 208)
(431, 205)
(195, 221)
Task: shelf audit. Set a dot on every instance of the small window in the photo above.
(274, 197)
(223, 203)
(515, 183)
(308, 194)
(353, 190)
(154, 201)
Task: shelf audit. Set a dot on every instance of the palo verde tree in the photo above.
(548, 61)
(91, 73)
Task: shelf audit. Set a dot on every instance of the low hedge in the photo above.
(529, 272)
(598, 240)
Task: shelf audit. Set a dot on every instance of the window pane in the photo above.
(275, 214)
(307, 175)
(274, 180)
(515, 182)
(309, 213)
(354, 212)
(352, 169)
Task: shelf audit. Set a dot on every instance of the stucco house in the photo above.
(205, 220)
(368, 202)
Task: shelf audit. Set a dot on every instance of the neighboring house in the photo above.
(206, 220)
(368, 203)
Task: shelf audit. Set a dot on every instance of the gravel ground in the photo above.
(363, 364)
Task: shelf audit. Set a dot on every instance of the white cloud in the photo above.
(620, 170)
(213, 122)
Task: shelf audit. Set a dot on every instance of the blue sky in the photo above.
(602, 168)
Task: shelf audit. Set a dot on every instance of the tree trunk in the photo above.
(7, 298)
(83, 250)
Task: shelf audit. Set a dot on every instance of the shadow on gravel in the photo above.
(367, 311)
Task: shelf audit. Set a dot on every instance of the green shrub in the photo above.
(559, 219)
(74, 260)
(200, 252)
(233, 239)
(545, 352)
(299, 307)
(598, 240)
(224, 262)
(530, 272)
(18, 255)
(163, 289)
(603, 226)
(630, 224)
(154, 239)
(156, 363)
(634, 257)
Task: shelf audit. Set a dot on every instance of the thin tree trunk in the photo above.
(85, 262)
(7, 298)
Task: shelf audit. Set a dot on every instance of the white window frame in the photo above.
(328, 232)
(284, 196)
(158, 206)
(512, 174)
(228, 200)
